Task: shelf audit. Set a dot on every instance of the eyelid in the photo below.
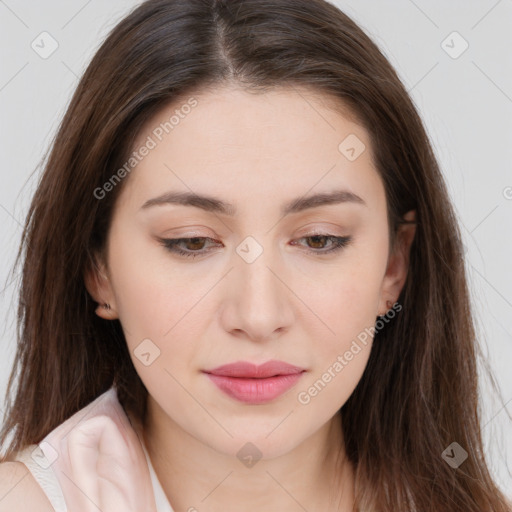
(322, 227)
(187, 232)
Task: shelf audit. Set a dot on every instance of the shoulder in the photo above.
(20, 487)
(20, 491)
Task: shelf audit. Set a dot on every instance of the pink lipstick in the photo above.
(254, 384)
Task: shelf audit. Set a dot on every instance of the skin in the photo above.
(20, 491)
(257, 152)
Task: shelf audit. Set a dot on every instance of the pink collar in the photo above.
(101, 462)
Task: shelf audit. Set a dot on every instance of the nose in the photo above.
(258, 302)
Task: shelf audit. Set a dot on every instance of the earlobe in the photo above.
(105, 311)
(98, 285)
(398, 264)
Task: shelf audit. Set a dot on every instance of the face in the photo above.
(257, 272)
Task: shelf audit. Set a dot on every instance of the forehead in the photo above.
(228, 117)
(286, 139)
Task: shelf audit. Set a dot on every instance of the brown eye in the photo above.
(318, 242)
(193, 246)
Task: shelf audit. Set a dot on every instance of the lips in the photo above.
(248, 370)
(252, 384)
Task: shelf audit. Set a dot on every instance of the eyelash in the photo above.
(339, 242)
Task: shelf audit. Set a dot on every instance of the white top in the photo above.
(62, 453)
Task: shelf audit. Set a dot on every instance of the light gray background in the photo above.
(465, 102)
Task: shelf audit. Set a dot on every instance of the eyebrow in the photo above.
(215, 205)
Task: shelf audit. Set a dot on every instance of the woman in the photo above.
(243, 281)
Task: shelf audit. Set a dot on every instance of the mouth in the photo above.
(247, 370)
(252, 384)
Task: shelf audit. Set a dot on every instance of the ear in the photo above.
(98, 285)
(398, 263)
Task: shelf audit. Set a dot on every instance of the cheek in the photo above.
(149, 290)
(344, 342)
(346, 298)
(143, 298)
(153, 310)
(147, 301)
(328, 388)
(342, 355)
(347, 304)
(161, 310)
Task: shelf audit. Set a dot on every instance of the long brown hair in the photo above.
(418, 393)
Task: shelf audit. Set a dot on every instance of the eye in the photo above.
(337, 242)
(195, 246)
